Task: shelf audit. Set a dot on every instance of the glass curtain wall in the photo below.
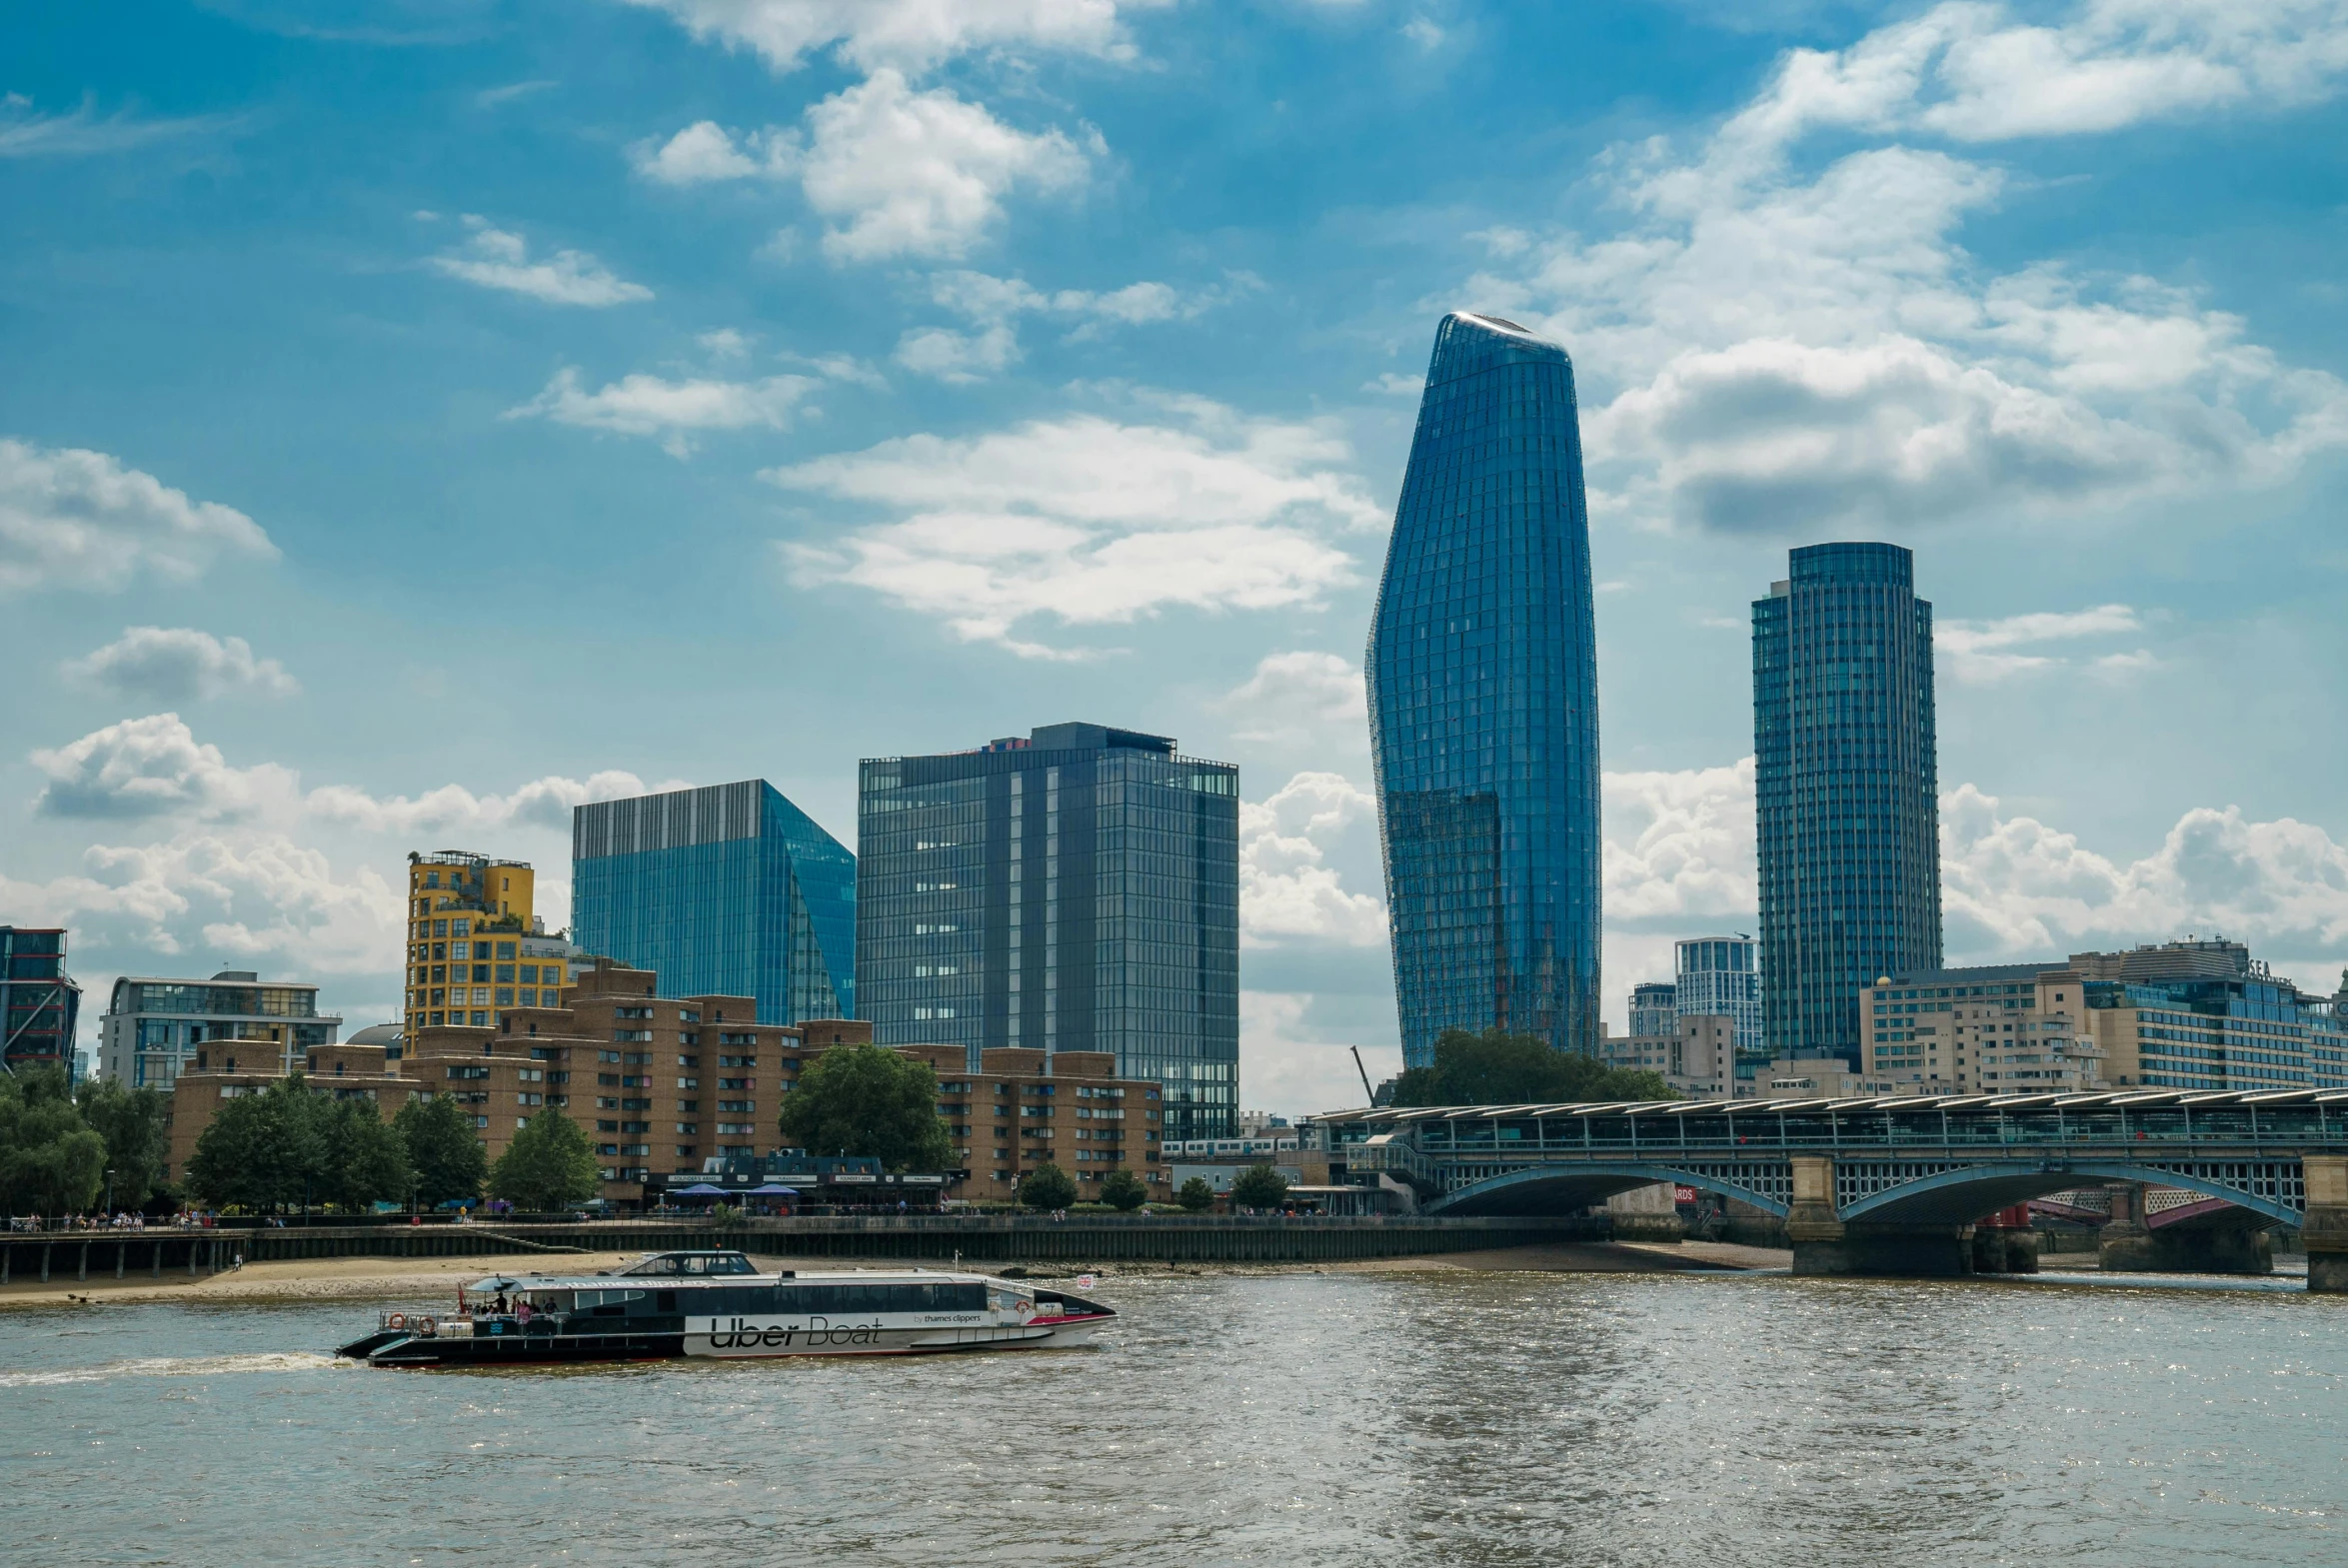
(1484, 705)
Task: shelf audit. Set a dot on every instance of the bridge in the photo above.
(1896, 1186)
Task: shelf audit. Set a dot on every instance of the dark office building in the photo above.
(40, 1005)
(1847, 791)
(729, 891)
(1483, 703)
(1076, 889)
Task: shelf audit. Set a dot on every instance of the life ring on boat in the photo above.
(395, 1320)
(427, 1327)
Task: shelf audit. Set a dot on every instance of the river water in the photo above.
(1282, 1418)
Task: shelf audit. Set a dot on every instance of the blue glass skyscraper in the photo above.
(1483, 701)
(1846, 791)
(729, 891)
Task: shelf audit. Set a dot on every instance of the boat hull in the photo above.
(709, 1340)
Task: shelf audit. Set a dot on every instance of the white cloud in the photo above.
(1089, 522)
(258, 899)
(1292, 1068)
(499, 258)
(71, 518)
(640, 405)
(992, 304)
(705, 153)
(1679, 845)
(725, 344)
(1300, 694)
(908, 34)
(156, 768)
(1982, 651)
(957, 356)
(1773, 347)
(1287, 891)
(180, 665)
(1395, 385)
(1426, 34)
(906, 172)
(2016, 887)
(26, 133)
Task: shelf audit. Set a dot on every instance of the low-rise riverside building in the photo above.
(153, 1026)
(1023, 1109)
(2208, 1015)
(2008, 1028)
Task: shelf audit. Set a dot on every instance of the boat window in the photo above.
(847, 1300)
(589, 1299)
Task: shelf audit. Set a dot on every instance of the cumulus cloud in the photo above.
(1679, 845)
(1779, 344)
(1295, 1065)
(1981, 653)
(2013, 885)
(156, 768)
(499, 258)
(642, 405)
(907, 172)
(1287, 889)
(1300, 693)
(179, 664)
(72, 518)
(910, 35)
(706, 152)
(1087, 522)
(992, 304)
(205, 895)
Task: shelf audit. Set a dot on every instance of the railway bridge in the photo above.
(1886, 1186)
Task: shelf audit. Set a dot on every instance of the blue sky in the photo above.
(421, 418)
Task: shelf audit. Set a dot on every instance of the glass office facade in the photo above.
(152, 1028)
(1483, 673)
(40, 1005)
(729, 891)
(1074, 891)
(1846, 791)
(1721, 976)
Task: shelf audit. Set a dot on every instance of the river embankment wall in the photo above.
(989, 1238)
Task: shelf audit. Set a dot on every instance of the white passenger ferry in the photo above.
(718, 1304)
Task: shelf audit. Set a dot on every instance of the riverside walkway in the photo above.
(1880, 1185)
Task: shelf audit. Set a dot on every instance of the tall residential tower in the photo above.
(1483, 701)
(1846, 791)
(1074, 889)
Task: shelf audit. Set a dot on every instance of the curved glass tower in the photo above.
(1483, 701)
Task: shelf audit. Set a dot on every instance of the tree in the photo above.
(1259, 1186)
(444, 1153)
(1122, 1191)
(1500, 1068)
(867, 1100)
(549, 1164)
(366, 1161)
(263, 1150)
(1046, 1186)
(1195, 1195)
(133, 1123)
(51, 1162)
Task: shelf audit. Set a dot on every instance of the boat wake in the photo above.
(171, 1366)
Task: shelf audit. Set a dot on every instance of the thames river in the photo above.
(1279, 1418)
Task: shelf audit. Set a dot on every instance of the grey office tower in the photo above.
(1075, 889)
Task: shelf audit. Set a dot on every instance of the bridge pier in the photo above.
(2127, 1246)
(2326, 1225)
(2004, 1244)
(1825, 1243)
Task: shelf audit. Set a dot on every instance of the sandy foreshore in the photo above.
(433, 1281)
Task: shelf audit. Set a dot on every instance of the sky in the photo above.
(421, 418)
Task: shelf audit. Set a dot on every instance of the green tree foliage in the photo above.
(443, 1150)
(1500, 1068)
(1120, 1190)
(1259, 1186)
(549, 1165)
(51, 1162)
(1046, 1186)
(867, 1100)
(289, 1144)
(1195, 1195)
(133, 1123)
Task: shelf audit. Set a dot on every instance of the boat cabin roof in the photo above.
(688, 1267)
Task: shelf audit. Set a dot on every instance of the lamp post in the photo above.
(110, 1192)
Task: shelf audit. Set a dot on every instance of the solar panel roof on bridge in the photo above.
(1947, 1103)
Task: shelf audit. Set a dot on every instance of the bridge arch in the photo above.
(1952, 1192)
(1538, 1190)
